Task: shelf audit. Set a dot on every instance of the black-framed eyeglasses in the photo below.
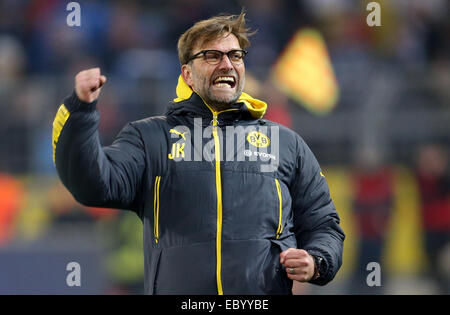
(214, 57)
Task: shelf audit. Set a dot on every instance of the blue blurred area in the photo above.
(42, 268)
(394, 102)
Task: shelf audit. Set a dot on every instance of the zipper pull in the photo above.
(214, 121)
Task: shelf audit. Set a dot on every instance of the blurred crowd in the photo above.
(393, 111)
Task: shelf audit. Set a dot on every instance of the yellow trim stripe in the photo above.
(280, 206)
(219, 198)
(215, 114)
(60, 120)
(219, 211)
(156, 208)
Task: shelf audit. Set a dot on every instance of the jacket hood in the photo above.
(255, 107)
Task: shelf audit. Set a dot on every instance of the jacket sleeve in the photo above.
(316, 221)
(97, 176)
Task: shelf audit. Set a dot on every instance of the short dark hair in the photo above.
(208, 30)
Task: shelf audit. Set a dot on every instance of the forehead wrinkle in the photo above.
(212, 44)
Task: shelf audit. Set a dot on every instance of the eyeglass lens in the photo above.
(215, 56)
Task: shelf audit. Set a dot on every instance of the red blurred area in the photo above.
(11, 194)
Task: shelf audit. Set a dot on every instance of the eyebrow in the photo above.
(200, 49)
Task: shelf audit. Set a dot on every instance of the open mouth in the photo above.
(225, 82)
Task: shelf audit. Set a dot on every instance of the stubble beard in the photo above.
(223, 102)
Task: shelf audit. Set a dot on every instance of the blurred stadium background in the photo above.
(382, 141)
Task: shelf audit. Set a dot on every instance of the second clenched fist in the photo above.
(88, 84)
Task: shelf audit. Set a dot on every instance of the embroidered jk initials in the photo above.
(177, 151)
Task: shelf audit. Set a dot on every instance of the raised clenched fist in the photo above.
(88, 84)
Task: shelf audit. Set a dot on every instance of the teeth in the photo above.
(222, 85)
(227, 79)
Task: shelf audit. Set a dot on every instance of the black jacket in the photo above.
(220, 196)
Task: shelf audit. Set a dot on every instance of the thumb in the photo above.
(102, 81)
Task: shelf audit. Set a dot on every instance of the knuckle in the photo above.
(304, 261)
(303, 252)
(83, 84)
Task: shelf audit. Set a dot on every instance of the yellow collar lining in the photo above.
(256, 107)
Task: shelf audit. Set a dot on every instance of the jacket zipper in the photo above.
(219, 206)
(215, 123)
(280, 209)
(156, 209)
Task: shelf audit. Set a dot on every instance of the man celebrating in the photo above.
(211, 225)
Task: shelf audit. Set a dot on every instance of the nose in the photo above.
(225, 63)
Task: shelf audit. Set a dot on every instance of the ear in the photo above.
(186, 73)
